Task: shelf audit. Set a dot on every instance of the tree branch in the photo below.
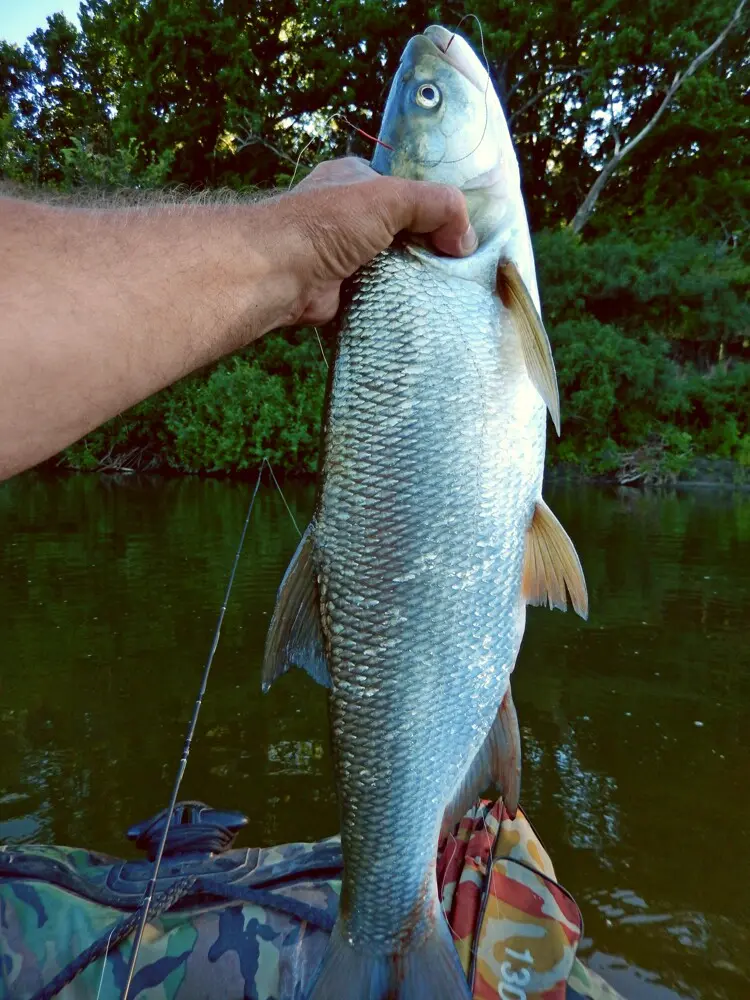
(586, 209)
(543, 93)
(251, 139)
(613, 128)
(517, 84)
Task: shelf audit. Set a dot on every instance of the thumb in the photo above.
(438, 209)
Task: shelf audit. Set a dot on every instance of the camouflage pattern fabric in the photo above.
(516, 930)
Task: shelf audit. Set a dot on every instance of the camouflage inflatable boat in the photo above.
(253, 923)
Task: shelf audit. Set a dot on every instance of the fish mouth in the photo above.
(439, 36)
(457, 52)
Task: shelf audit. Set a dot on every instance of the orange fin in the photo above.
(498, 764)
(552, 569)
(537, 352)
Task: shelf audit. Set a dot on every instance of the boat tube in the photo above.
(254, 922)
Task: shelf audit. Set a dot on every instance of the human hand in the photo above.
(344, 213)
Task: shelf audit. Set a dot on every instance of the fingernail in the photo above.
(469, 241)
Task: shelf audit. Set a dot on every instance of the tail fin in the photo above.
(431, 971)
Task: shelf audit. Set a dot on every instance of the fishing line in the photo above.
(441, 891)
(311, 140)
(481, 39)
(146, 904)
(104, 962)
(486, 88)
(281, 494)
(309, 143)
(492, 843)
(320, 345)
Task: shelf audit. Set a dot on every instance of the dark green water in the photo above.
(635, 725)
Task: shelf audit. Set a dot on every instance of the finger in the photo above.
(438, 209)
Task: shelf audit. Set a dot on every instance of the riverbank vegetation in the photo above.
(630, 123)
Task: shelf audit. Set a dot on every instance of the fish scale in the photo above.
(431, 468)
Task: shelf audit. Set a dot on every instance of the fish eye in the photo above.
(428, 96)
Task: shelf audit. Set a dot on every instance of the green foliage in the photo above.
(82, 166)
(648, 312)
(649, 337)
(265, 403)
(717, 410)
(131, 440)
(689, 291)
(242, 414)
(11, 149)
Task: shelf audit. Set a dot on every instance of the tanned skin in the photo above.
(100, 308)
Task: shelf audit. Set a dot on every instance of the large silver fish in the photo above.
(408, 592)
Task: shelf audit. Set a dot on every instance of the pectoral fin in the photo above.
(552, 566)
(295, 637)
(535, 344)
(498, 763)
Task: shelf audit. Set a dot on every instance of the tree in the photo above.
(567, 74)
(622, 150)
(15, 79)
(646, 296)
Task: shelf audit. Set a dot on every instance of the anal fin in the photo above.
(295, 636)
(498, 763)
(552, 569)
(535, 345)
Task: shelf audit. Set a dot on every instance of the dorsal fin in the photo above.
(552, 566)
(537, 352)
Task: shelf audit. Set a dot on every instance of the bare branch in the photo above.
(251, 139)
(613, 129)
(517, 84)
(615, 136)
(586, 209)
(543, 93)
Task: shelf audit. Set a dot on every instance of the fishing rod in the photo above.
(148, 896)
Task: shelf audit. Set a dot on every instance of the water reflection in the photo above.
(635, 724)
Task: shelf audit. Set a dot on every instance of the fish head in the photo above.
(444, 123)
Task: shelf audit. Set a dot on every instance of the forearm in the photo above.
(99, 309)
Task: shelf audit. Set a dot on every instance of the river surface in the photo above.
(636, 725)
